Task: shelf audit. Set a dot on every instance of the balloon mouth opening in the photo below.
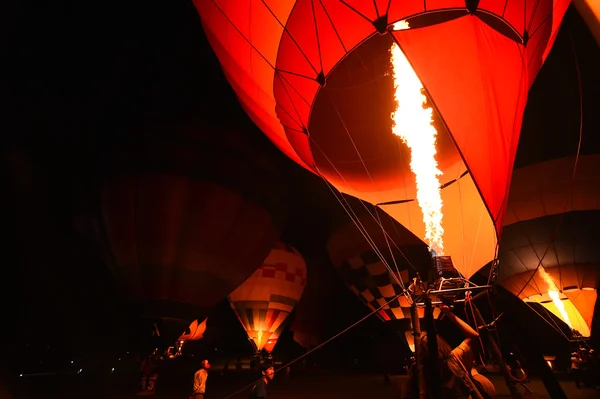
(492, 20)
(350, 126)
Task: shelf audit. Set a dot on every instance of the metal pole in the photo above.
(416, 329)
(497, 355)
(433, 367)
(451, 290)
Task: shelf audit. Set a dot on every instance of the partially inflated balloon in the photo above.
(316, 77)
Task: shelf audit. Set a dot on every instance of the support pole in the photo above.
(497, 355)
(416, 329)
(433, 367)
(531, 347)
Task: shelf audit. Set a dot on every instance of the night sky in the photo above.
(83, 80)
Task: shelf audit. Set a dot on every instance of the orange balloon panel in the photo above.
(265, 299)
(315, 77)
(196, 331)
(410, 340)
(548, 188)
(274, 337)
(590, 11)
(577, 285)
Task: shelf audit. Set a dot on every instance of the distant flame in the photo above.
(413, 124)
(259, 338)
(554, 293)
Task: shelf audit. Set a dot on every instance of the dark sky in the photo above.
(81, 79)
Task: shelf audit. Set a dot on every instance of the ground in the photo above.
(301, 385)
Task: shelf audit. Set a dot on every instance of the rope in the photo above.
(357, 222)
(469, 302)
(316, 347)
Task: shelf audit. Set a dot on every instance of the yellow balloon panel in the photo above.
(469, 232)
(580, 317)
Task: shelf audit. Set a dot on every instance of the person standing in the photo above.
(260, 389)
(200, 380)
(576, 366)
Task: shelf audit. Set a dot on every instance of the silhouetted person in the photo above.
(260, 389)
(455, 364)
(200, 380)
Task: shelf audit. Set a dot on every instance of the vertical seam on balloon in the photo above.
(376, 9)
(559, 268)
(525, 17)
(291, 117)
(504, 203)
(490, 149)
(504, 9)
(355, 10)
(241, 34)
(534, 271)
(285, 30)
(290, 98)
(250, 36)
(519, 274)
(536, 50)
(539, 26)
(333, 26)
(282, 71)
(312, 4)
(387, 10)
(533, 13)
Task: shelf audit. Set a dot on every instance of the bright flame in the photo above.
(401, 25)
(259, 338)
(555, 295)
(413, 124)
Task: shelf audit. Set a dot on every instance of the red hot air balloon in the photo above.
(264, 301)
(316, 77)
(182, 233)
